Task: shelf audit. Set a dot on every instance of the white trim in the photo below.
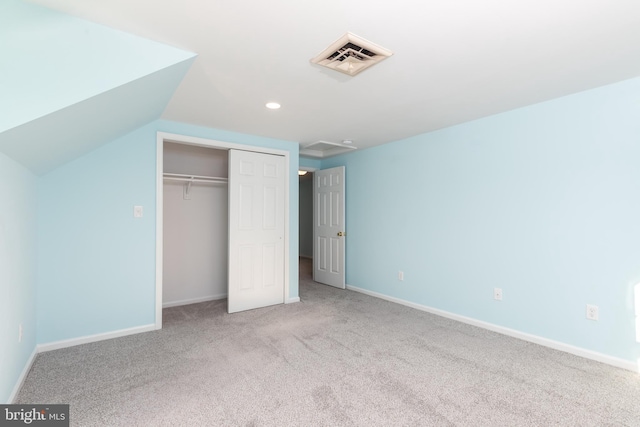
(159, 225)
(308, 169)
(161, 138)
(556, 345)
(93, 338)
(23, 376)
(292, 300)
(193, 300)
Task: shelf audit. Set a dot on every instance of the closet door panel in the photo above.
(256, 230)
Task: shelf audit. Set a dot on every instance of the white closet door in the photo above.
(256, 230)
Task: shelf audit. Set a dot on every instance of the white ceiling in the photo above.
(454, 60)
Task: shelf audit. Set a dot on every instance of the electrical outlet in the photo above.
(137, 212)
(592, 312)
(401, 275)
(20, 330)
(497, 294)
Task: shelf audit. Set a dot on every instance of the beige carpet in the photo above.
(336, 358)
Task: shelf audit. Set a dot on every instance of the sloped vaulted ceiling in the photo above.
(453, 60)
(69, 85)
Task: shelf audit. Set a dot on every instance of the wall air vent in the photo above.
(351, 54)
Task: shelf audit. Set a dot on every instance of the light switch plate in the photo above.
(137, 212)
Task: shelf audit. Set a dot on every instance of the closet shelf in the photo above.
(194, 178)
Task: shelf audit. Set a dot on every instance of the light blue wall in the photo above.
(311, 163)
(18, 206)
(543, 202)
(45, 143)
(70, 85)
(97, 262)
(51, 60)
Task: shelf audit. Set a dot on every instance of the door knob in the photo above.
(341, 233)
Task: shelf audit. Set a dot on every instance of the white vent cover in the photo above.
(351, 54)
(324, 149)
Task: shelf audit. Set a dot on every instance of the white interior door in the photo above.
(256, 230)
(329, 227)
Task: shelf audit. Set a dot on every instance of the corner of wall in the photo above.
(18, 252)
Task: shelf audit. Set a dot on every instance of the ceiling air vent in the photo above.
(351, 54)
(323, 149)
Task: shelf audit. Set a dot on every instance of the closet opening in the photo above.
(195, 224)
(197, 212)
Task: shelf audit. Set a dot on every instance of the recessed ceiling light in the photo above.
(301, 172)
(347, 141)
(273, 105)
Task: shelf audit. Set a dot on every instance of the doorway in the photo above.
(329, 233)
(305, 215)
(322, 234)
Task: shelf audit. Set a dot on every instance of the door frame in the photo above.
(161, 138)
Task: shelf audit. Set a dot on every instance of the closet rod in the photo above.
(194, 178)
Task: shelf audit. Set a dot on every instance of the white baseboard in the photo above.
(193, 300)
(556, 345)
(93, 338)
(213, 298)
(23, 376)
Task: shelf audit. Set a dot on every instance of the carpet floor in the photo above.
(337, 358)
